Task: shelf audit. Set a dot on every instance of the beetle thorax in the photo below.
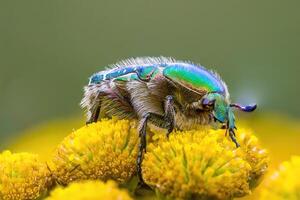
(189, 119)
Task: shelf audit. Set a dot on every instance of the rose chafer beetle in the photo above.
(162, 91)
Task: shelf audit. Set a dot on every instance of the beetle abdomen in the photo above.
(125, 73)
(132, 69)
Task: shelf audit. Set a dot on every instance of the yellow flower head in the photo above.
(203, 164)
(257, 157)
(103, 150)
(91, 190)
(284, 183)
(23, 176)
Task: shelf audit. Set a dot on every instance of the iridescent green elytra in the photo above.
(162, 91)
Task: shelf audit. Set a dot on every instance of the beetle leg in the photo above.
(142, 147)
(169, 115)
(226, 132)
(233, 138)
(163, 121)
(167, 120)
(95, 109)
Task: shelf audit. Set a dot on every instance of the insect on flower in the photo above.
(162, 91)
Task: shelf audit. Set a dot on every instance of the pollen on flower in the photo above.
(103, 150)
(92, 190)
(283, 183)
(23, 176)
(203, 164)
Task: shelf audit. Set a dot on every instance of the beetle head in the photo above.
(222, 110)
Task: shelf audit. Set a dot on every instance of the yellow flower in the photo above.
(91, 190)
(257, 157)
(23, 176)
(284, 183)
(203, 164)
(103, 150)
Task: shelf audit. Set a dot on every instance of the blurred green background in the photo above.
(48, 49)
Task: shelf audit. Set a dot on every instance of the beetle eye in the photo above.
(208, 103)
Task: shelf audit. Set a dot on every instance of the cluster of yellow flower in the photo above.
(104, 150)
(23, 176)
(199, 163)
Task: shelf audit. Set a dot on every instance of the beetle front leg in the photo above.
(233, 138)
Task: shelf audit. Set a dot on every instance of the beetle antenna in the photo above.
(248, 108)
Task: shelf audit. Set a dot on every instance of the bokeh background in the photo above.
(48, 49)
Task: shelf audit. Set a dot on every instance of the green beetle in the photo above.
(162, 91)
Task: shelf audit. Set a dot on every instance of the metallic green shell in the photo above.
(191, 76)
(195, 78)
